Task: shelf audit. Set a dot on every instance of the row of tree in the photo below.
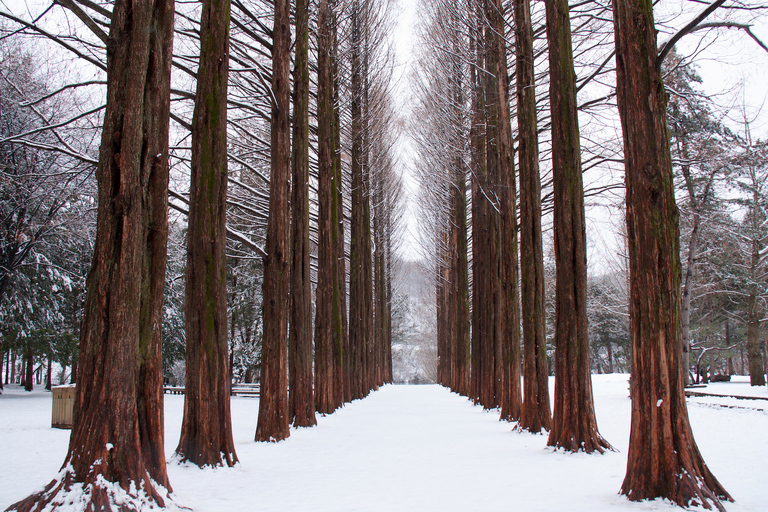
(308, 148)
(466, 142)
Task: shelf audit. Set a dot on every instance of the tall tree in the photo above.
(206, 431)
(501, 165)
(341, 345)
(273, 423)
(301, 396)
(536, 414)
(327, 309)
(360, 266)
(110, 442)
(481, 311)
(663, 459)
(574, 426)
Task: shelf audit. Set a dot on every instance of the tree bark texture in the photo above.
(341, 343)
(460, 283)
(326, 303)
(574, 426)
(273, 423)
(481, 317)
(150, 403)
(107, 444)
(754, 357)
(360, 272)
(380, 281)
(301, 395)
(663, 459)
(206, 430)
(536, 414)
(509, 395)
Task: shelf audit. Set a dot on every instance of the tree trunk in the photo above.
(480, 310)
(500, 147)
(460, 272)
(536, 414)
(754, 357)
(273, 424)
(48, 373)
(13, 367)
(379, 279)
(756, 369)
(663, 459)
(206, 430)
(133, 148)
(150, 402)
(301, 395)
(29, 363)
(341, 339)
(326, 302)
(574, 426)
(360, 278)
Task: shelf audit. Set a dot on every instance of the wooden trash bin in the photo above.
(63, 406)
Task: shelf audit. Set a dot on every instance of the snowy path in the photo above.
(405, 448)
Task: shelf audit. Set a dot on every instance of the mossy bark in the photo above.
(273, 422)
(206, 429)
(326, 300)
(536, 414)
(663, 459)
(301, 395)
(574, 426)
(118, 405)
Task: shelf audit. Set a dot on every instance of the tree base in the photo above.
(687, 491)
(593, 444)
(96, 493)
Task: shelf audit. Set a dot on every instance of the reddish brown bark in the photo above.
(325, 376)
(478, 183)
(206, 429)
(663, 459)
(150, 403)
(535, 414)
(341, 345)
(301, 395)
(508, 393)
(360, 274)
(574, 426)
(273, 423)
(107, 444)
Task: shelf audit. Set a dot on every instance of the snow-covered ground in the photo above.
(410, 448)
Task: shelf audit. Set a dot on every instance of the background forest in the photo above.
(51, 83)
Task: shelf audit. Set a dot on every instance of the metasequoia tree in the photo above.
(574, 426)
(301, 396)
(481, 306)
(273, 423)
(116, 446)
(501, 164)
(206, 430)
(341, 349)
(328, 301)
(663, 459)
(535, 414)
(360, 269)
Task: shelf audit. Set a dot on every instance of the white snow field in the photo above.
(411, 448)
